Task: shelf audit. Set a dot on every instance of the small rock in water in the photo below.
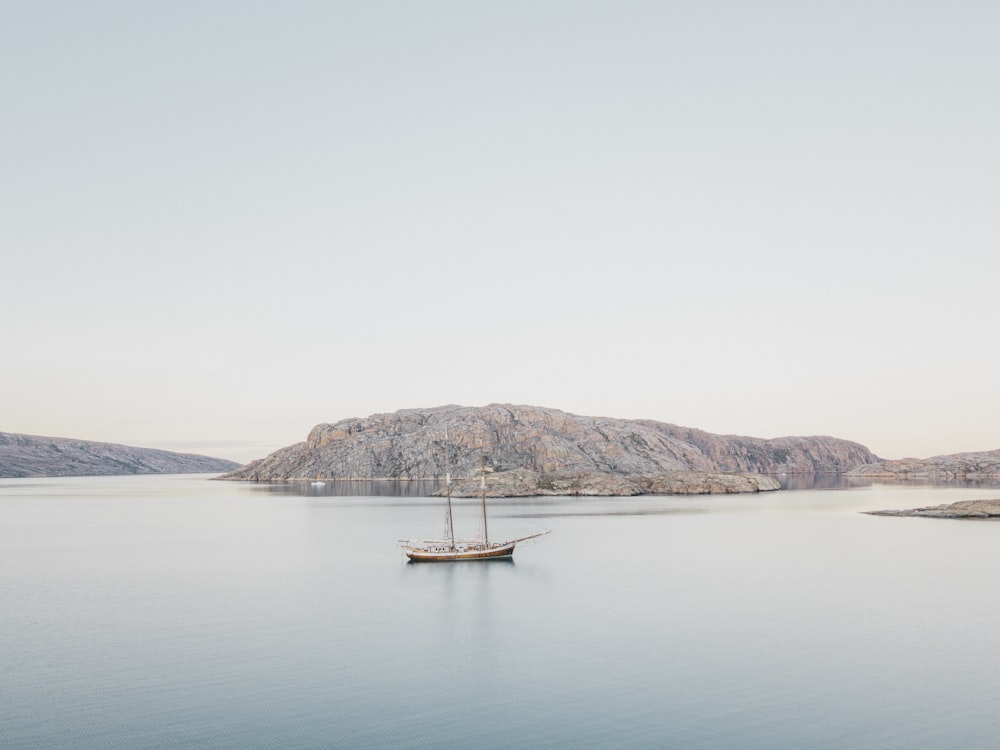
(961, 509)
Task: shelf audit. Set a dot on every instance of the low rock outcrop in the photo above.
(531, 484)
(961, 509)
(35, 456)
(596, 455)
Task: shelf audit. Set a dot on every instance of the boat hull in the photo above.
(457, 555)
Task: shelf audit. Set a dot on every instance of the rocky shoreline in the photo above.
(532, 484)
(976, 509)
(953, 467)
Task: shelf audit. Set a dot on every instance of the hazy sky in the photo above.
(224, 222)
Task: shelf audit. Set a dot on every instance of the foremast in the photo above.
(449, 521)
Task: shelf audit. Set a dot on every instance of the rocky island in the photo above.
(35, 456)
(530, 450)
(961, 509)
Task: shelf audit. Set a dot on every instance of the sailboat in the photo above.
(451, 549)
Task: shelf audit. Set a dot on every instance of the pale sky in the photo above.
(224, 222)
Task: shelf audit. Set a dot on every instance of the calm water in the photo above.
(175, 612)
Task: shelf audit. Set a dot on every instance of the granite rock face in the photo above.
(34, 456)
(546, 446)
(958, 466)
(961, 509)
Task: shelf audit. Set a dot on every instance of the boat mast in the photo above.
(482, 484)
(449, 521)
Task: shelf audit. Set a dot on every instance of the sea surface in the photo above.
(178, 612)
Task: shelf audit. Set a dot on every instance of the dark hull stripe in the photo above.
(488, 554)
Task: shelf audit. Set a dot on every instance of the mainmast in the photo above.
(482, 484)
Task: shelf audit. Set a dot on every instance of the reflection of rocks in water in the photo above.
(849, 481)
(354, 488)
(821, 482)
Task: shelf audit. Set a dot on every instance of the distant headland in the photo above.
(36, 456)
(957, 466)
